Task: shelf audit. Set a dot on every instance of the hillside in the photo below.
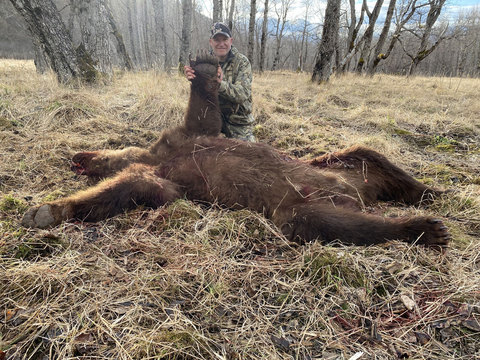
(191, 281)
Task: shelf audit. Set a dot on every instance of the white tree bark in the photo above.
(187, 9)
(95, 31)
(49, 32)
(251, 30)
(263, 39)
(326, 50)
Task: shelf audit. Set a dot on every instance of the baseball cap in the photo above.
(220, 28)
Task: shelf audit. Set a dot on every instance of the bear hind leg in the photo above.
(375, 176)
(312, 221)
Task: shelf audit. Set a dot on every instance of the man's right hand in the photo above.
(189, 72)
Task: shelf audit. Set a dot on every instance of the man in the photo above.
(235, 78)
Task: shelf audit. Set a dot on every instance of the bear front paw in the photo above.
(42, 216)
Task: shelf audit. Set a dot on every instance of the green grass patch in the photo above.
(31, 248)
(12, 205)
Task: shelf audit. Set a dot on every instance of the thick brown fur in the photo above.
(319, 200)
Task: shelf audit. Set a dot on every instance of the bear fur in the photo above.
(320, 200)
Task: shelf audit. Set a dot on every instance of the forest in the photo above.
(395, 37)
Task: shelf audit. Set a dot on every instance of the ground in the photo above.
(197, 281)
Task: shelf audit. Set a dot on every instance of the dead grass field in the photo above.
(190, 281)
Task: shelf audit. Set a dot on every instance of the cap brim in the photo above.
(220, 33)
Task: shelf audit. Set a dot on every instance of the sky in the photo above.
(451, 9)
(465, 2)
(456, 6)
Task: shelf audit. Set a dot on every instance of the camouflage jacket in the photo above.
(235, 93)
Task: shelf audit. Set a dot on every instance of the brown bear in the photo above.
(321, 200)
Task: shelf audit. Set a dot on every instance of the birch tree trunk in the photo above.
(138, 35)
(280, 27)
(404, 13)
(41, 61)
(353, 30)
(71, 17)
(217, 11)
(49, 31)
(160, 36)
(125, 61)
(368, 35)
(377, 53)
(263, 39)
(133, 33)
(351, 27)
(94, 27)
(326, 49)
(230, 15)
(424, 50)
(301, 57)
(251, 30)
(146, 35)
(187, 9)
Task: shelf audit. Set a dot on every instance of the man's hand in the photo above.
(189, 73)
(219, 75)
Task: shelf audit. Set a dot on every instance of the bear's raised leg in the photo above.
(136, 185)
(314, 221)
(201, 118)
(375, 177)
(203, 112)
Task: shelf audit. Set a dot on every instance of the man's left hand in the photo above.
(219, 75)
(189, 72)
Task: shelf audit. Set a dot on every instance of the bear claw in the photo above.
(434, 233)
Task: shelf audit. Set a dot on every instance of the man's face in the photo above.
(221, 45)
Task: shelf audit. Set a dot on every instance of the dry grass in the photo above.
(194, 282)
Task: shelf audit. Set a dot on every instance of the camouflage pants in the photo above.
(242, 129)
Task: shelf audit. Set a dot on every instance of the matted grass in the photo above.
(191, 281)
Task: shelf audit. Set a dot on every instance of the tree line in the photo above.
(86, 39)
